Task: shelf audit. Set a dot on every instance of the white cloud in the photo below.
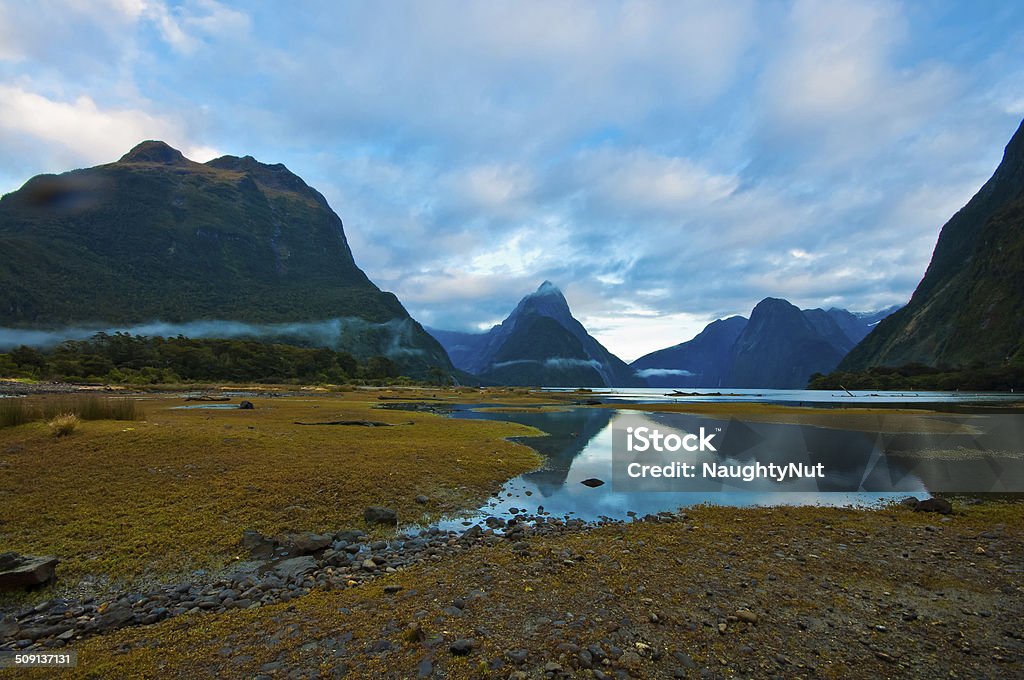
(9, 49)
(185, 27)
(837, 84)
(661, 372)
(492, 188)
(82, 131)
(632, 335)
(638, 180)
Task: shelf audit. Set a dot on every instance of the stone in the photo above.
(350, 535)
(26, 571)
(422, 500)
(116, 616)
(377, 514)
(630, 659)
(8, 626)
(462, 647)
(295, 567)
(592, 482)
(746, 615)
(307, 543)
(246, 405)
(517, 656)
(939, 505)
(259, 546)
(425, 668)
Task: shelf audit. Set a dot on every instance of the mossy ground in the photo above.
(834, 591)
(127, 502)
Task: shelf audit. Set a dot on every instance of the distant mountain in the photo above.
(857, 325)
(779, 347)
(704, 361)
(462, 347)
(540, 343)
(782, 346)
(969, 307)
(158, 237)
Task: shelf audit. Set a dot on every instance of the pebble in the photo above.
(746, 615)
(462, 647)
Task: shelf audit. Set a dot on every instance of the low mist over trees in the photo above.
(124, 358)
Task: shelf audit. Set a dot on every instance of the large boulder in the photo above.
(25, 571)
(377, 514)
(306, 543)
(295, 567)
(939, 505)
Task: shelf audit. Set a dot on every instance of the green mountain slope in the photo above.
(969, 307)
(155, 236)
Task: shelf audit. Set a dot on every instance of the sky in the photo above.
(664, 164)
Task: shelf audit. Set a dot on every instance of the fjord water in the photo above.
(653, 395)
(578, 446)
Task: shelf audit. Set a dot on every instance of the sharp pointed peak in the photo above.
(548, 287)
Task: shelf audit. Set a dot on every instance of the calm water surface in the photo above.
(578, 446)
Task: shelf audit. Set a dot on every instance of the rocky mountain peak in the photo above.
(154, 151)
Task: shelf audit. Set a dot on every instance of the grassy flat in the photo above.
(136, 501)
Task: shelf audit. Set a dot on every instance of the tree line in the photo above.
(922, 377)
(136, 359)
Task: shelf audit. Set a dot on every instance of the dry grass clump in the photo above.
(92, 407)
(64, 424)
(18, 411)
(14, 411)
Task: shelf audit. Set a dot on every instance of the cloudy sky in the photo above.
(664, 163)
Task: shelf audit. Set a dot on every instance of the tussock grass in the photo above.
(15, 411)
(64, 424)
(19, 411)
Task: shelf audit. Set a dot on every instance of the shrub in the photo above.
(64, 424)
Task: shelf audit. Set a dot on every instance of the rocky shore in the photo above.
(712, 593)
(281, 569)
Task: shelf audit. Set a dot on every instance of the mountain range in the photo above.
(156, 236)
(779, 347)
(968, 310)
(540, 343)
(157, 240)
